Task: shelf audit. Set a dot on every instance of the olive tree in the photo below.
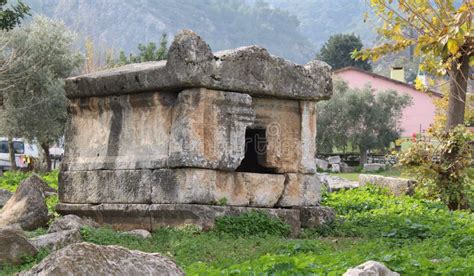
(34, 106)
(359, 117)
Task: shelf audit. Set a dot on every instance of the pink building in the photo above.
(417, 117)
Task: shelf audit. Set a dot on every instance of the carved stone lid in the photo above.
(191, 63)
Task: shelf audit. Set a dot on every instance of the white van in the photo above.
(21, 148)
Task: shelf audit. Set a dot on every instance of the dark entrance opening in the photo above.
(255, 152)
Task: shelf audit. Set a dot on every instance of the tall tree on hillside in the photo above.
(35, 107)
(11, 16)
(443, 38)
(148, 52)
(338, 49)
(359, 118)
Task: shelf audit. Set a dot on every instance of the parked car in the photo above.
(22, 151)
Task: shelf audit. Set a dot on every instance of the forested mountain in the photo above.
(319, 19)
(292, 29)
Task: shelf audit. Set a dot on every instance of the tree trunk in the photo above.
(457, 92)
(11, 154)
(363, 157)
(47, 156)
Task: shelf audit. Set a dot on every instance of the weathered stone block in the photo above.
(199, 186)
(208, 129)
(322, 164)
(301, 190)
(281, 120)
(150, 217)
(308, 137)
(121, 217)
(373, 167)
(263, 190)
(398, 186)
(334, 159)
(119, 132)
(105, 186)
(191, 63)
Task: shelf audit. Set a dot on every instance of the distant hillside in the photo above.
(223, 24)
(322, 18)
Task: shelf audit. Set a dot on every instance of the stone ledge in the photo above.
(191, 63)
(151, 217)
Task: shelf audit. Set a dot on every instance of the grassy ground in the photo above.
(411, 236)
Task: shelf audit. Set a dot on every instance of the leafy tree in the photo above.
(148, 52)
(35, 106)
(337, 52)
(442, 37)
(12, 16)
(360, 118)
(9, 18)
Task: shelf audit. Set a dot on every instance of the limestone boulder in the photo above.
(70, 222)
(398, 186)
(14, 246)
(91, 259)
(335, 168)
(373, 167)
(334, 159)
(139, 233)
(322, 164)
(370, 268)
(4, 197)
(27, 207)
(336, 183)
(57, 240)
(301, 190)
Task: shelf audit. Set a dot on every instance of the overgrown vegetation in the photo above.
(442, 168)
(252, 224)
(411, 236)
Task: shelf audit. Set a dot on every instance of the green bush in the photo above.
(442, 169)
(253, 223)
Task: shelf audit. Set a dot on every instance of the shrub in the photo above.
(253, 223)
(441, 168)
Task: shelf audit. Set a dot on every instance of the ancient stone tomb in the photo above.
(197, 136)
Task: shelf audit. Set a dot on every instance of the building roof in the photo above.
(434, 93)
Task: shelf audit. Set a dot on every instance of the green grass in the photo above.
(411, 236)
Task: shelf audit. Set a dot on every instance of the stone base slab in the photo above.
(189, 186)
(153, 216)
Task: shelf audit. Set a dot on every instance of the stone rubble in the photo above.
(14, 246)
